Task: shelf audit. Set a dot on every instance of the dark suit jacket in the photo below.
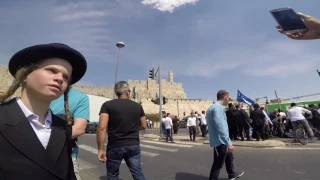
(230, 117)
(241, 117)
(22, 155)
(257, 117)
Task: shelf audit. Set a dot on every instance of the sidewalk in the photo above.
(204, 140)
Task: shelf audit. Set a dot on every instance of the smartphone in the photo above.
(288, 20)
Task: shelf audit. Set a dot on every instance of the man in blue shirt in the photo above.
(219, 138)
(80, 112)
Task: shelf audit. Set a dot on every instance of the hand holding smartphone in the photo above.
(288, 20)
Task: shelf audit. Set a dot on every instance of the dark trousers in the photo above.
(277, 128)
(192, 132)
(245, 128)
(233, 131)
(266, 131)
(259, 131)
(204, 130)
(221, 156)
(131, 155)
(169, 135)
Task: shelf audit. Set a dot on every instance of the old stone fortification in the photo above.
(145, 90)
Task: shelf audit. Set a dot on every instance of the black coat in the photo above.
(257, 117)
(230, 117)
(22, 155)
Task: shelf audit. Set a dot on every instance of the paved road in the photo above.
(157, 131)
(192, 161)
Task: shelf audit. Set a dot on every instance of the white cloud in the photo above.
(73, 16)
(84, 26)
(168, 5)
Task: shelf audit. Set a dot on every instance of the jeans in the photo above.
(221, 156)
(131, 155)
(305, 125)
(204, 130)
(169, 135)
(192, 132)
(164, 131)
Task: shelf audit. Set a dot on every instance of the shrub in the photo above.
(153, 117)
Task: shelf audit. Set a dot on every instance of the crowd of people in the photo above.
(266, 125)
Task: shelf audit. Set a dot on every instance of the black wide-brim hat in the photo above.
(33, 54)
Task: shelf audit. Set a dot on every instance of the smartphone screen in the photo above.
(288, 20)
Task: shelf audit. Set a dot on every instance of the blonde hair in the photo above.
(21, 74)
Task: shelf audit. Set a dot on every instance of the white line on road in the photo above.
(167, 144)
(85, 165)
(145, 153)
(88, 148)
(158, 148)
(182, 142)
(92, 150)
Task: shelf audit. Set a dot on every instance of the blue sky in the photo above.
(208, 44)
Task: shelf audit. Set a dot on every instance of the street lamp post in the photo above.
(119, 45)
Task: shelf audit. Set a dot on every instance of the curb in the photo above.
(260, 144)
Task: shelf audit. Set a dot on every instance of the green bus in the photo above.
(286, 106)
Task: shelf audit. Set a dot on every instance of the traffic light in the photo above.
(151, 73)
(164, 100)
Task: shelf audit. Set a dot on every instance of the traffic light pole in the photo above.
(160, 98)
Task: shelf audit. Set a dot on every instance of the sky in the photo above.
(208, 44)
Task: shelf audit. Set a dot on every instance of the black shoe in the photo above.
(235, 175)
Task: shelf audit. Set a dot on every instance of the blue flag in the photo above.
(244, 99)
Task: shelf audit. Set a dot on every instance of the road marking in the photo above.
(92, 150)
(158, 148)
(167, 144)
(85, 165)
(181, 142)
(88, 148)
(145, 153)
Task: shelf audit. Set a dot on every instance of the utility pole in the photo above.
(158, 74)
(277, 99)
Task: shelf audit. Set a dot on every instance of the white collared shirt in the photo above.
(296, 113)
(191, 121)
(42, 131)
(267, 120)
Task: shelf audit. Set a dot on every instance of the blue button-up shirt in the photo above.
(217, 125)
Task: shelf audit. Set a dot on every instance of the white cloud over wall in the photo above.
(168, 5)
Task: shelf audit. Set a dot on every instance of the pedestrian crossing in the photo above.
(149, 148)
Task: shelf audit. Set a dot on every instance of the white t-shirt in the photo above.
(191, 121)
(203, 119)
(168, 122)
(296, 113)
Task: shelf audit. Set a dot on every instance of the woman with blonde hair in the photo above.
(34, 143)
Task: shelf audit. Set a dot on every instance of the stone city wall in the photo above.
(177, 107)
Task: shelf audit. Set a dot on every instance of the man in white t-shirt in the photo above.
(191, 125)
(168, 126)
(295, 114)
